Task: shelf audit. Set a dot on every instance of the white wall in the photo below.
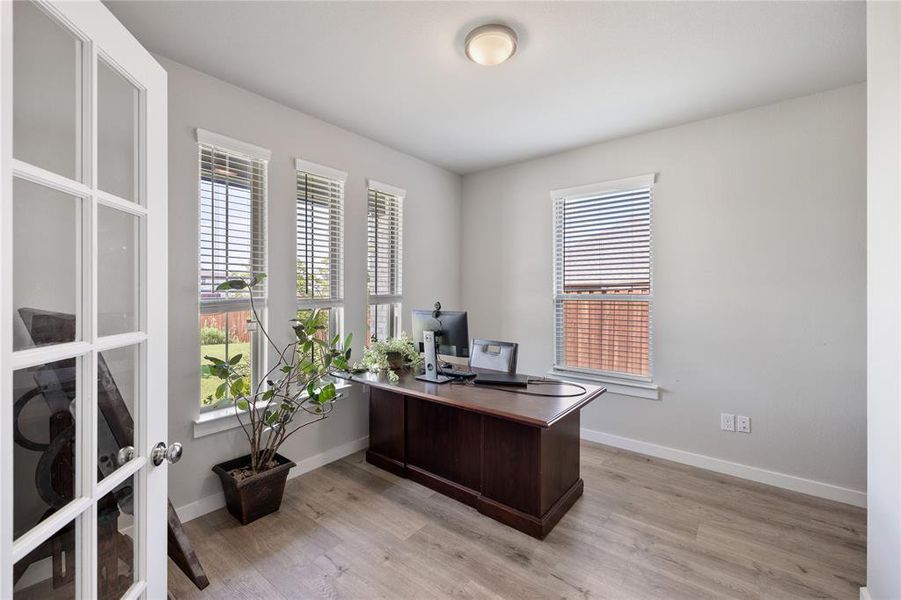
(431, 250)
(884, 300)
(759, 280)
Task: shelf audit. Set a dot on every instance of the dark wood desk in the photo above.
(512, 456)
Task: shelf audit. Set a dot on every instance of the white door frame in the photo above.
(104, 36)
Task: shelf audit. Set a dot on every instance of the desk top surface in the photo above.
(507, 403)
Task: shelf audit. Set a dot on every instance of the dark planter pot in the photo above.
(249, 499)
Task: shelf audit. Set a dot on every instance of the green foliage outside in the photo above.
(211, 335)
(318, 284)
(209, 383)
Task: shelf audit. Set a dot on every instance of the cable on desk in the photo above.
(517, 390)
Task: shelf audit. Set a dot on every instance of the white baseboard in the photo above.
(216, 501)
(781, 480)
(198, 508)
(864, 594)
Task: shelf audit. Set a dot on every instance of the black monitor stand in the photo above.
(431, 373)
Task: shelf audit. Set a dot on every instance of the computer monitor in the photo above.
(450, 327)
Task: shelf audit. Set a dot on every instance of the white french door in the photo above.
(83, 292)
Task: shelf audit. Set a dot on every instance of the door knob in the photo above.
(125, 454)
(161, 452)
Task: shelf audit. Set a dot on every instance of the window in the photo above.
(602, 278)
(320, 244)
(385, 259)
(232, 244)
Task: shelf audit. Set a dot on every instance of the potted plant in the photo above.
(295, 393)
(390, 356)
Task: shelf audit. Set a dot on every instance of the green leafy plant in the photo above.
(298, 387)
(377, 360)
(321, 320)
(211, 335)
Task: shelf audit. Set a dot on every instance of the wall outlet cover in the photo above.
(744, 424)
(727, 422)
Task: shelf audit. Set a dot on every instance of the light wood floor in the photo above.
(645, 528)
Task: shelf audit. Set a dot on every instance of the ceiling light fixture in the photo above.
(490, 45)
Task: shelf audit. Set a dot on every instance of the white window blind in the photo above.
(232, 226)
(386, 222)
(602, 279)
(320, 240)
(385, 261)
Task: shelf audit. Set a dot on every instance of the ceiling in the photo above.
(584, 72)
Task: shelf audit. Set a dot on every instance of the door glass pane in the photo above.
(117, 133)
(44, 449)
(46, 265)
(49, 571)
(117, 271)
(46, 92)
(117, 386)
(115, 541)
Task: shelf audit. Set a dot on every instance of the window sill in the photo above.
(223, 419)
(615, 385)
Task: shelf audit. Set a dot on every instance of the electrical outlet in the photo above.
(744, 424)
(727, 422)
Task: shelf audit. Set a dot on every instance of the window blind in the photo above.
(602, 281)
(385, 251)
(232, 226)
(320, 240)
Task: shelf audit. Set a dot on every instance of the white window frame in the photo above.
(393, 301)
(249, 151)
(336, 303)
(620, 383)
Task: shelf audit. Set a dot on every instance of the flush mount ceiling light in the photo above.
(490, 45)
